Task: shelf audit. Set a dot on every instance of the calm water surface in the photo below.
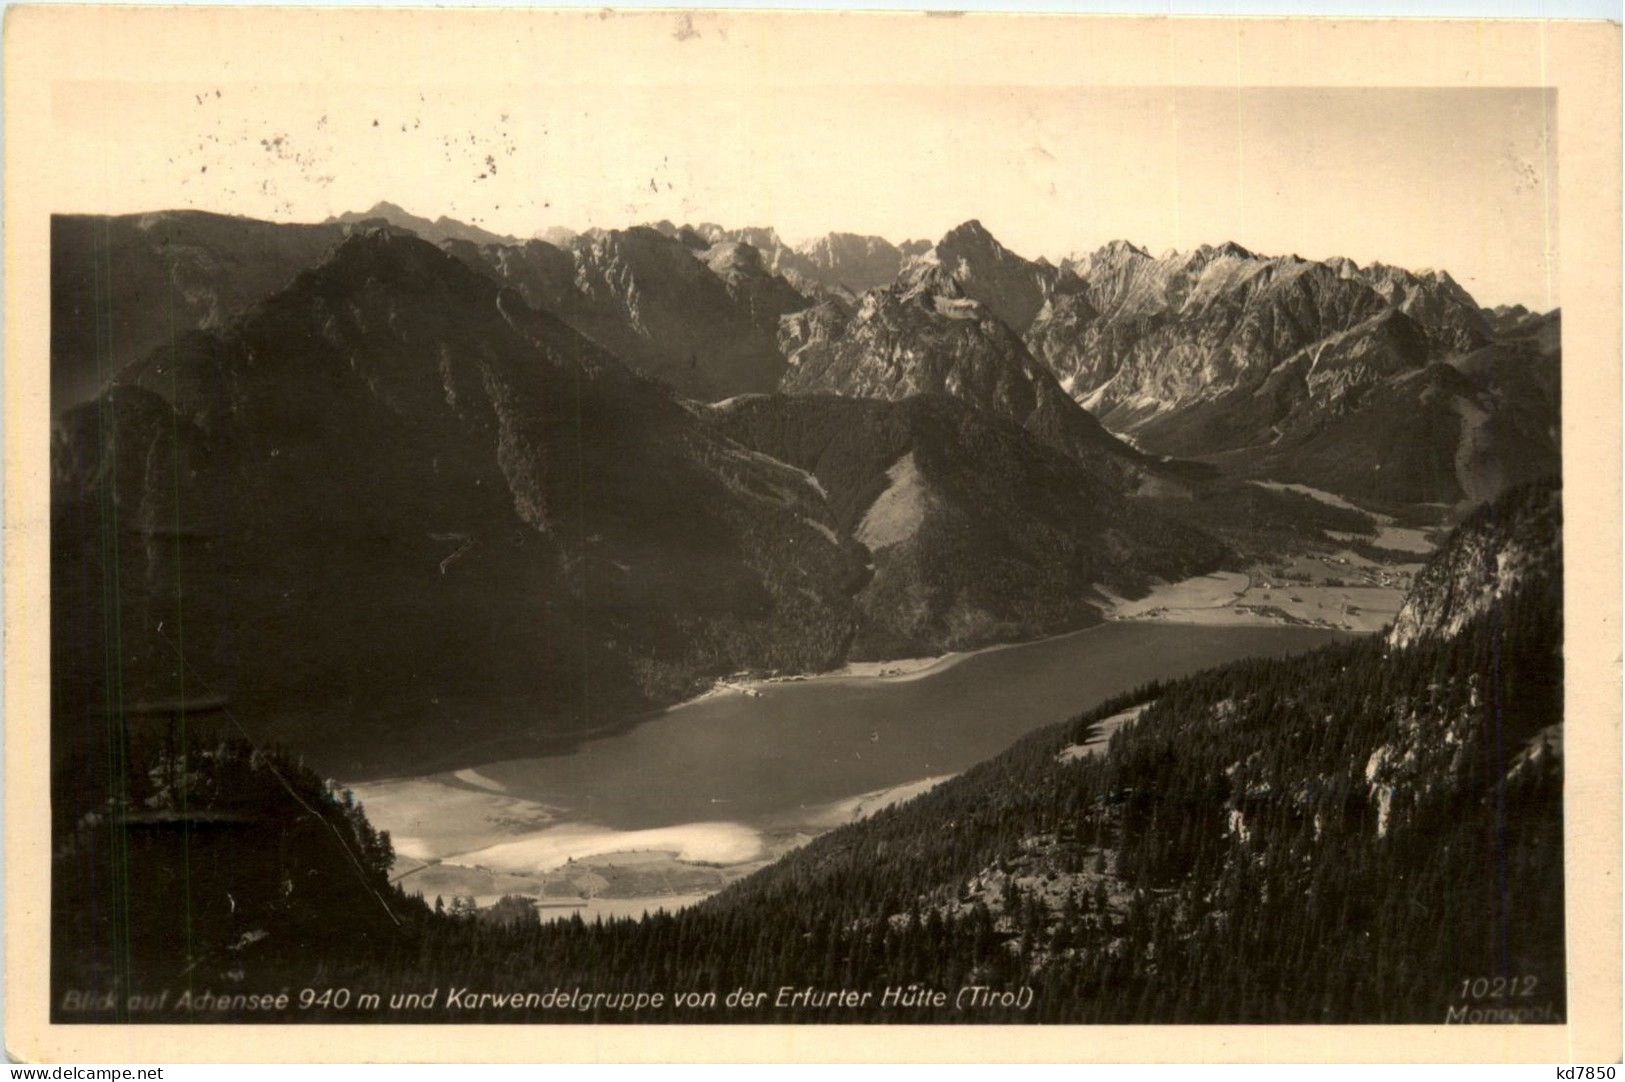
(803, 744)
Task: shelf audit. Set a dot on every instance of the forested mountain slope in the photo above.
(976, 531)
(398, 516)
(402, 519)
(123, 285)
(1288, 840)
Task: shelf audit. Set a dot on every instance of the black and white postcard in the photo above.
(894, 522)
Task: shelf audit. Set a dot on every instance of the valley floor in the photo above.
(1341, 590)
(1345, 581)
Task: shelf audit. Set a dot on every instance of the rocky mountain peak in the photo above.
(435, 231)
(835, 244)
(846, 261)
(1231, 250)
(557, 235)
(734, 257)
(764, 238)
(972, 260)
(1452, 319)
(970, 233)
(1116, 251)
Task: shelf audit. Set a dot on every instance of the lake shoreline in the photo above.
(1165, 604)
(906, 670)
(682, 805)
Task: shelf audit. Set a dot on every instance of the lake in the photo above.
(807, 743)
(676, 807)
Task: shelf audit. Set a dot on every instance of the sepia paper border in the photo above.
(47, 46)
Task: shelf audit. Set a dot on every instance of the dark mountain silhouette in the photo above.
(437, 231)
(970, 262)
(121, 286)
(410, 516)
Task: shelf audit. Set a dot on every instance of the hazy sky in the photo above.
(1461, 179)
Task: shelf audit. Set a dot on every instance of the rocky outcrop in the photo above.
(811, 331)
(929, 338)
(1513, 543)
(1326, 373)
(704, 321)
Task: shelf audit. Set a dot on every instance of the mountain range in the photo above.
(603, 473)
(843, 263)
(1371, 381)
(399, 499)
(386, 496)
